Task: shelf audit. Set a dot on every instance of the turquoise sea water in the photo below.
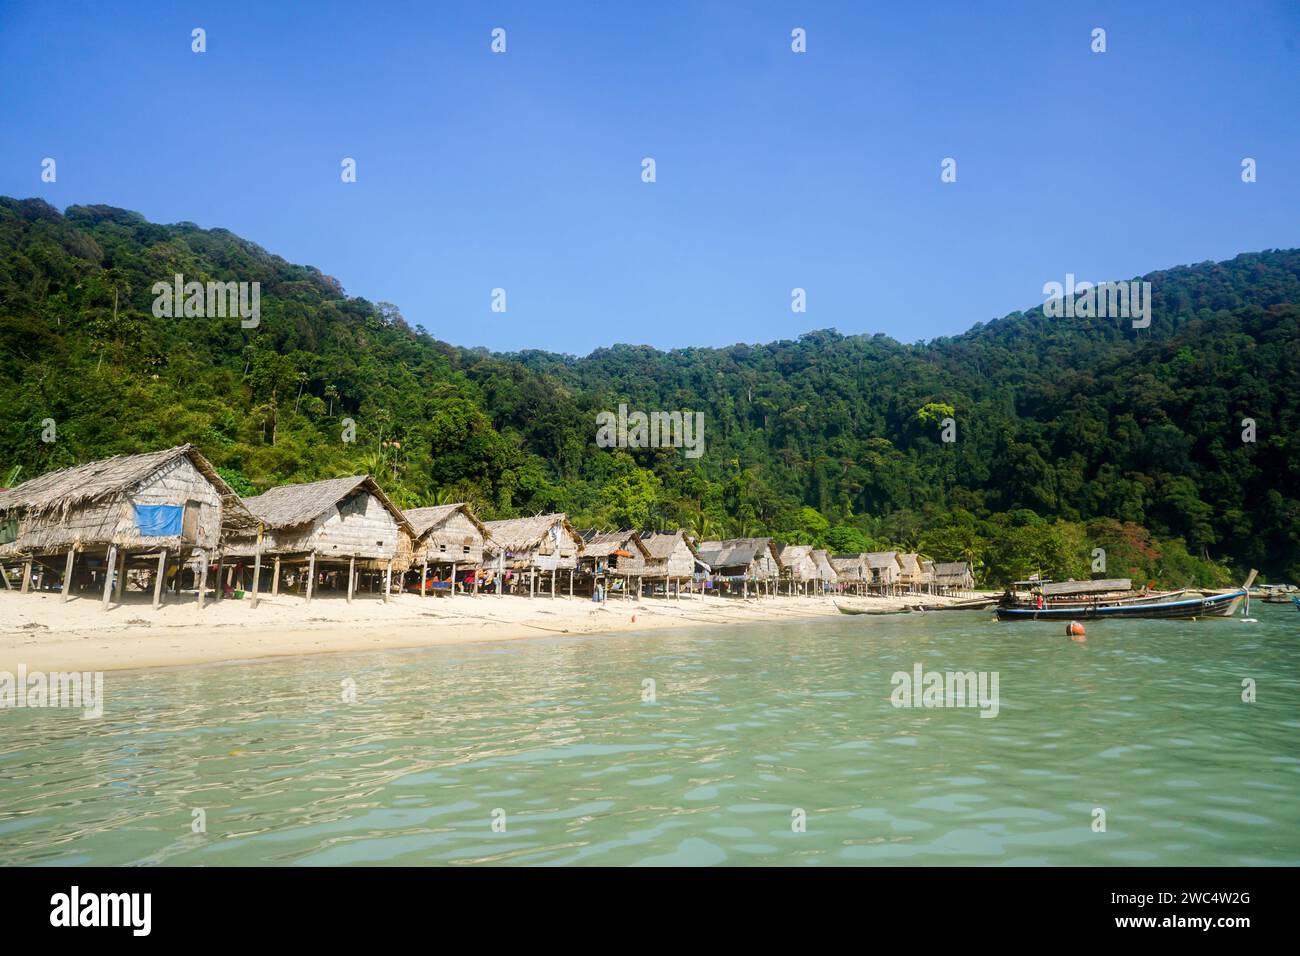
(750, 725)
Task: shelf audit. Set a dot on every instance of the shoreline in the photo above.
(41, 632)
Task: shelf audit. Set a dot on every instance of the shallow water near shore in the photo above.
(750, 726)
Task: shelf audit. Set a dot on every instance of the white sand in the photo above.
(40, 631)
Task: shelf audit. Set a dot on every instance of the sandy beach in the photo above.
(41, 632)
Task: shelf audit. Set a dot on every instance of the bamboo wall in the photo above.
(457, 539)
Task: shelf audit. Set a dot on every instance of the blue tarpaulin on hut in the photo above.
(159, 521)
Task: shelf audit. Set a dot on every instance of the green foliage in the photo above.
(845, 540)
(1071, 435)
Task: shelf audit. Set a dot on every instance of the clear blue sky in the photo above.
(775, 170)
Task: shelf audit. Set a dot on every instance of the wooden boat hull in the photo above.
(1216, 605)
(983, 604)
(854, 610)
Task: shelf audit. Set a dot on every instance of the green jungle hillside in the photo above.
(1071, 434)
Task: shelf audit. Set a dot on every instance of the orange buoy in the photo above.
(1074, 629)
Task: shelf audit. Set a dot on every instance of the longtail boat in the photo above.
(1168, 605)
(860, 610)
(974, 604)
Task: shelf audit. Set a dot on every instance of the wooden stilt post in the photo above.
(120, 584)
(67, 573)
(160, 578)
(478, 573)
(570, 583)
(257, 567)
(311, 575)
(388, 581)
(532, 582)
(275, 582)
(352, 567)
(553, 572)
(219, 589)
(27, 577)
(203, 577)
(453, 578)
(257, 577)
(424, 574)
(110, 562)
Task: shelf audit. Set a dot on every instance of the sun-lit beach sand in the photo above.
(39, 631)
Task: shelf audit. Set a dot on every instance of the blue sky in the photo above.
(775, 170)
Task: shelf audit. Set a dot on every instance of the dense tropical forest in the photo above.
(1070, 434)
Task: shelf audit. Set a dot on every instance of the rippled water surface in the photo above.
(1145, 720)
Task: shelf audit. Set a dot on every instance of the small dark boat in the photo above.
(857, 610)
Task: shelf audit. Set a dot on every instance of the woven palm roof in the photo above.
(97, 481)
(951, 570)
(794, 552)
(732, 552)
(882, 559)
(662, 544)
(824, 566)
(424, 520)
(524, 534)
(611, 542)
(848, 565)
(289, 506)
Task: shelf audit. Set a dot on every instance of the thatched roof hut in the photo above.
(669, 554)
(171, 499)
(546, 542)
(910, 574)
(339, 519)
(825, 570)
(447, 534)
(750, 558)
(850, 568)
(611, 552)
(954, 576)
(797, 563)
(883, 568)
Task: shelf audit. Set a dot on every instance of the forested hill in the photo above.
(1071, 433)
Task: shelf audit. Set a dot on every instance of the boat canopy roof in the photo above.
(1099, 586)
